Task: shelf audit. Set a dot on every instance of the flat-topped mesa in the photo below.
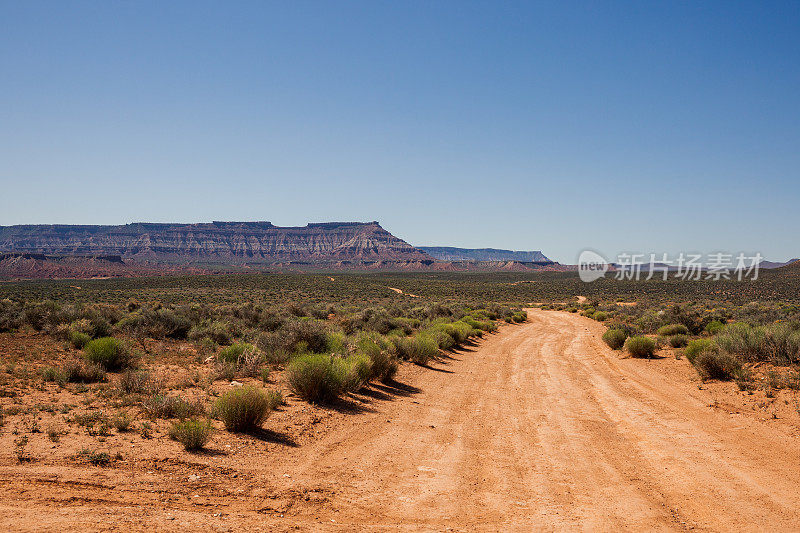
(222, 242)
(449, 253)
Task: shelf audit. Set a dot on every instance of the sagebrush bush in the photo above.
(715, 363)
(78, 339)
(194, 434)
(600, 316)
(122, 421)
(615, 338)
(309, 334)
(630, 330)
(242, 408)
(359, 371)
(483, 325)
(317, 378)
(108, 353)
(444, 340)
(519, 317)
(335, 342)
(155, 323)
(744, 340)
(678, 341)
(782, 344)
(694, 347)
(162, 406)
(714, 327)
(673, 329)
(218, 331)
(232, 353)
(420, 349)
(640, 346)
(274, 346)
(384, 363)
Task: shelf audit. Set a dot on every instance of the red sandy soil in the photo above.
(541, 427)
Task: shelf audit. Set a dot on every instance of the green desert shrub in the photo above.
(154, 323)
(359, 371)
(678, 341)
(483, 325)
(335, 342)
(744, 340)
(274, 346)
(519, 316)
(694, 347)
(715, 363)
(122, 421)
(443, 339)
(420, 349)
(317, 378)
(384, 362)
(782, 344)
(673, 329)
(714, 327)
(778, 343)
(640, 346)
(630, 330)
(232, 353)
(458, 331)
(79, 339)
(163, 406)
(615, 338)
(194, 434)
(218, 331)
(600, 316)
(308, 334)
(242, 408)
(108, 353)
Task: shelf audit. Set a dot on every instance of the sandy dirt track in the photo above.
(540, 428)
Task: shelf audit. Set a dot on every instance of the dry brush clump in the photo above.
(640, 347)
(243, 408)
(320, 378)
(108, 353)
(715, 363)
(194, 434)
(615, 338)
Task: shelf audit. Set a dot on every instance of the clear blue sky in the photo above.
(661, 126)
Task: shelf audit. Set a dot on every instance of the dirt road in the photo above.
(540, 428)
(543, 427)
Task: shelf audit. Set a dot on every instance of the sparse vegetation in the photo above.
(695, 347)
(318, 378)
(678, 341)
(243, 408)
(715, 363)
(194, 434)
(615, 338)
(640, 346)
(673, 329)
(108, 353)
